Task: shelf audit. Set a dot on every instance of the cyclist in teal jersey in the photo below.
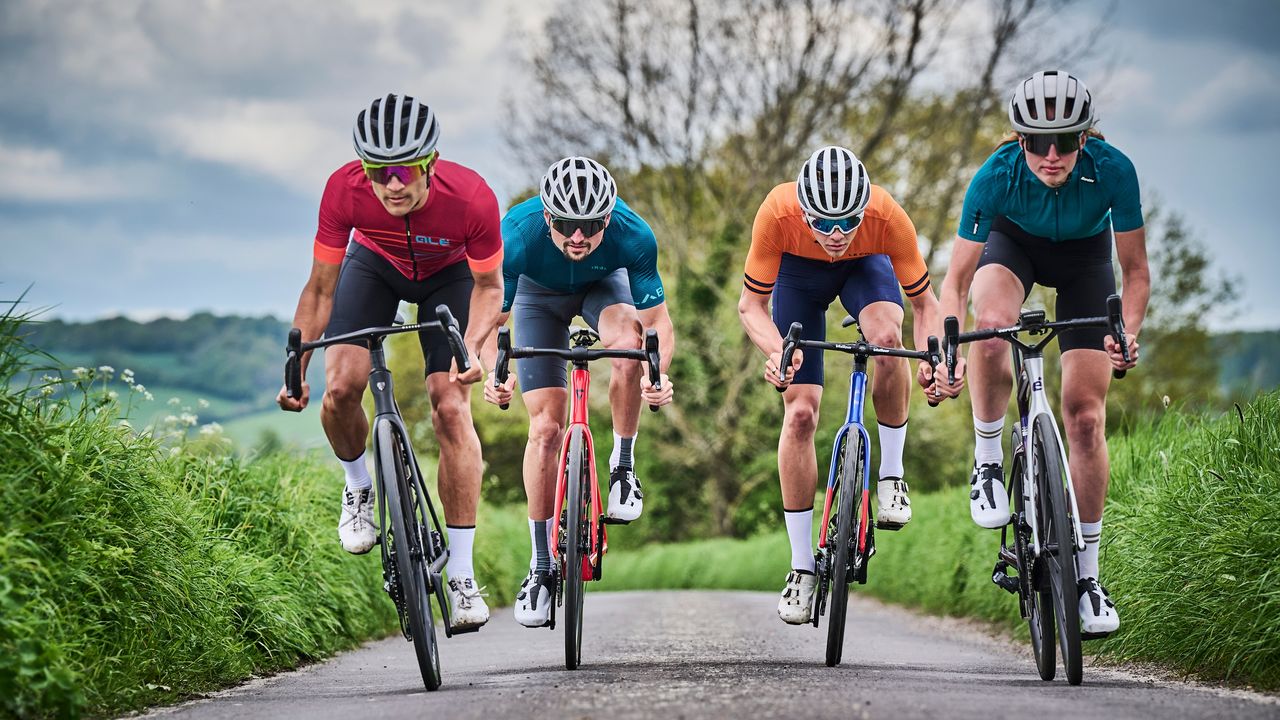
(1044, 210)
(577, 249)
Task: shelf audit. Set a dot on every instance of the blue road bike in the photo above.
(846, 537)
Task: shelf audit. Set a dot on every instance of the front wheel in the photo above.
(406, 546)
(1057, 545)
(577, 533)
(1033, 587)
(848, 500)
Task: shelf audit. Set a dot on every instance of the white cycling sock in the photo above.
(988, 436)
(460, 542)
(623, 451)
(1087, 559)
(800, 532)
(357, 473)
(540, 557)
(892, 439)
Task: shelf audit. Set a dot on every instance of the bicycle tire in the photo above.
(1037, 602)
(1057, 533)
(577, 527)
(407, 542)
(849, 493)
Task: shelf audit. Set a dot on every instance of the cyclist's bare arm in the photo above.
(753, 311)
(659, 318)
(1135, 278)
(482, 320)
(954, 296)
(314, 306)
(927, 314)
(489, 358)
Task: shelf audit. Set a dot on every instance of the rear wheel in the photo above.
(577, 529)
(847, 502)
(1058, 546)
(406, 550)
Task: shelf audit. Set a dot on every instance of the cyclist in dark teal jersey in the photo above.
(1043, 210)
(576, 249)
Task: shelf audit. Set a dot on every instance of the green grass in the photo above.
(136, 571)
(1191, 551)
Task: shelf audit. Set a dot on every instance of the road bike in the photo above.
(846, 539)
(581, 540)
(414, 549)
(1045, 520)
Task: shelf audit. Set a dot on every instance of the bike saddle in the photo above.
(583, 337)
(851, 320)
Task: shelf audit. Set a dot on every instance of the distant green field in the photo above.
(300, 430)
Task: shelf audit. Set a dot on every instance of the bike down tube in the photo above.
(853, 419)
(1040, 406)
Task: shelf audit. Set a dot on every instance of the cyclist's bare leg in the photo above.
(620, 330)
(460, 464)
(881, 324)
(1086, 375)
(997, 301)
(346, 372)
(797, 458)
(547, 407)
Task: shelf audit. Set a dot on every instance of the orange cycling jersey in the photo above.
(780, 229)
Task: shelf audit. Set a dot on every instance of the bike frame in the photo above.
(580, 383)
(852, 421)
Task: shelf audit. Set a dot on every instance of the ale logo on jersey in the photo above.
(428, 240)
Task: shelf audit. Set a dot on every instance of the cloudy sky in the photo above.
(163, 157)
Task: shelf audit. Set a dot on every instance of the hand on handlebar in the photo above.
(774, 361)
(475, 374)
(658, 397)
(1116, 356)
(499, 395)
(289, 404)
(934, 380)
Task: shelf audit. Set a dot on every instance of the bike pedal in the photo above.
(465, 629)
(1096, 636)
(886, 525)
(615, 521)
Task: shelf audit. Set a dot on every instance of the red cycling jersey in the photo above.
(459, 220)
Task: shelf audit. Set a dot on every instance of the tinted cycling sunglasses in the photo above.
(406, 173)
(827, 227)
(568, 226)
(1040, 144)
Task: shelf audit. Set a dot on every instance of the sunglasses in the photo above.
(407, 174)
(568, 226)
(1040, 144)
(827, 227)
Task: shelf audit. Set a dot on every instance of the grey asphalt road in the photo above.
(710, 654)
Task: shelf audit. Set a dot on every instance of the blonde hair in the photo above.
(1012, 137)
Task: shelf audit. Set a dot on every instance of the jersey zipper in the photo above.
(408, 240)
(1057, 216)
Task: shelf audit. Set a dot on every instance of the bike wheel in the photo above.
(577, 530)
(847, 501)
(406, 550)
(1058, 546)
(1036, 598)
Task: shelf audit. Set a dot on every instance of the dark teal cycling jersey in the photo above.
(1102, 189)
(628, 243)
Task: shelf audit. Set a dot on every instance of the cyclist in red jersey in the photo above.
(425, 231)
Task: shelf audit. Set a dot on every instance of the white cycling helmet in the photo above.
(395, 129)
(578, 188)
(1051, 101)
(833, 184)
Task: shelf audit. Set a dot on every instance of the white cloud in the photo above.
(1243, 96)
(43, 175)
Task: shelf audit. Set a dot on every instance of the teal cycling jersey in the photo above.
(1102, 189)
(529, 251)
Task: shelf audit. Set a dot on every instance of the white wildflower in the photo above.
(125, 424)
(175, 401)
(113, 395)
(148, 395)
(170, 419)
(1165, 400)
(202, 403)
(46, 391)
(188, 419)
(81, 372)
(212, 428)
(140, 388)
(106, 370)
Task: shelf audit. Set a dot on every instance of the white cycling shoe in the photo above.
(988, 500)
(1098, 616)
(533, 601)
(795, 607)
(355, 525)
(895, 507)
(467, 608)
(626, 500)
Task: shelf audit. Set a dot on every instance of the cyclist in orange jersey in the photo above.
(833, 234)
